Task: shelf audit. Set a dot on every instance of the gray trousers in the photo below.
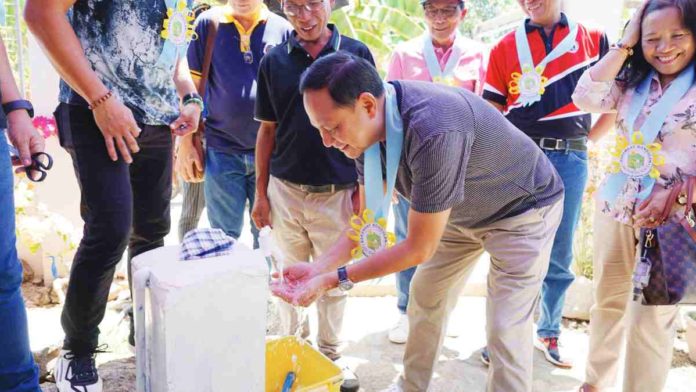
(192, 206)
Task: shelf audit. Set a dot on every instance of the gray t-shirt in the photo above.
(461, 153)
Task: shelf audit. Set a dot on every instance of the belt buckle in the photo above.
(557, 143)
(317, 188)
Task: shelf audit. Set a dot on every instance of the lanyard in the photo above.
(376, 199)
(659, 111)
(636, 158)
(437, 74)
(177, 30)
(530, 83)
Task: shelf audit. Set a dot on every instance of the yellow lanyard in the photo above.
(260, 16)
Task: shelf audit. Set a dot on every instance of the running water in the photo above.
(274, 257)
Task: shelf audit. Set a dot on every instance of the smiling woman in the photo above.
(667, 38)
(647, 78)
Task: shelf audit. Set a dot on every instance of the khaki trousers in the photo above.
(615, 319)
(305, 225)
(520, 248)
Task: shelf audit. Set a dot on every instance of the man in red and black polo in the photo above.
(531, 76)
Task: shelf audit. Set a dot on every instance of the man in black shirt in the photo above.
(303, 189)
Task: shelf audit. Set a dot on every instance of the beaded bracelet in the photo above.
(196, 101)
(101, 100)
(626, 50)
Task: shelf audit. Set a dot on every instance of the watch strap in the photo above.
(20, 104)
(342, 274)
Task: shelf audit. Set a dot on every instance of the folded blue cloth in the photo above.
(205, 242)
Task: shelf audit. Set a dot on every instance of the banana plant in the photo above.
(380, 24)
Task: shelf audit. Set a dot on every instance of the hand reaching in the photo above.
(302, 284)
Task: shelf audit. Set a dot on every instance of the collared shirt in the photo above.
(555, 115)
(122, 43)
(231, 88)
(299, 155)
(408, 63)
(677, 135)
(460, 153)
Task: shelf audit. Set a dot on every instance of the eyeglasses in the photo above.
(446, 12)
(291, 9)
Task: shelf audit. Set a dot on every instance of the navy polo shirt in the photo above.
(231, 88)
(299, 155)
(556, 115)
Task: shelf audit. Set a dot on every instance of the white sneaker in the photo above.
(399, 334)
(76, 373)
(392, 388)
(453, 331)
(350, 379)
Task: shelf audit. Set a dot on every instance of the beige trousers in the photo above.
(650, 329)
(520, 248)
(305, 225)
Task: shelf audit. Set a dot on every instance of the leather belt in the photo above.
(330, 188)
(549, 143)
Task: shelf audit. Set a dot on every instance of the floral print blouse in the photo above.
(677, 136)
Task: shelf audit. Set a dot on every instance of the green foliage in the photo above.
(483, 10)
(380, 24)
(583, 249)
(9, 37)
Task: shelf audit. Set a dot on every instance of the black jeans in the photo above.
(122, 205)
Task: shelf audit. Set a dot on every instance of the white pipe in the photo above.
(141, 281)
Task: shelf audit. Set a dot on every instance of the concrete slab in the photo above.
(379, 362)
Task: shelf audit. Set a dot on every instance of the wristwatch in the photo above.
(20, 104)
(344, 283)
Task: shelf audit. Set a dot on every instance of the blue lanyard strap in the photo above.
(650, 128)
(524, 53)
(658, 113)
(177, 40)
(436, 73)
(376, 199)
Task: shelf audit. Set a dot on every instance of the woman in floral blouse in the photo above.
(657, 53)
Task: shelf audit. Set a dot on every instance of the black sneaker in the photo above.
(77, 373)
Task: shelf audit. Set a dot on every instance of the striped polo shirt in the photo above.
(460, 153)
(555, 115)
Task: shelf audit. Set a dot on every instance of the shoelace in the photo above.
(83, 367)
(553, 343)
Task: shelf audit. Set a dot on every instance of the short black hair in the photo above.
(345, 75)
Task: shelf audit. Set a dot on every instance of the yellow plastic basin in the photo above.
(313, 370)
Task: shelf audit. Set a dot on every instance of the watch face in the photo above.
(345, 285)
